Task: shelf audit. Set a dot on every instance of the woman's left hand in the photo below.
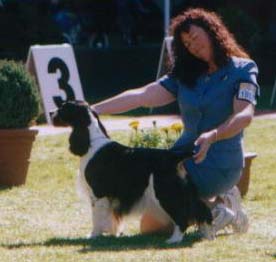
(204, 141)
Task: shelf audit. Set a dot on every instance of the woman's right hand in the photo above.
(204, 142)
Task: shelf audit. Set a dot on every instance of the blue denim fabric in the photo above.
(204, 107)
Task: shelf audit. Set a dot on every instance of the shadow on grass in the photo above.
(3, 188)
(110, 243)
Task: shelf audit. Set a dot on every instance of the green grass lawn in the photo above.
(45, 220)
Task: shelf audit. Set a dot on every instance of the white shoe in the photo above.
(232, 200)
(222, 217)
(240, 224)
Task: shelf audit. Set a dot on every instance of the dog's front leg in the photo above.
(117, 224)
(101, 217)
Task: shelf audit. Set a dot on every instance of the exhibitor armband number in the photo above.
(247, 92)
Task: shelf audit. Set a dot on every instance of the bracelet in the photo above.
(216, 135)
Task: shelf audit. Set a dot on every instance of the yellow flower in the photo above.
(165, 130)
(177, 127)
(134, 124)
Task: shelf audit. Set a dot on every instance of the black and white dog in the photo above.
(118, 178)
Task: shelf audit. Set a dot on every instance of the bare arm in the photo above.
(241, 118)
(151, 95)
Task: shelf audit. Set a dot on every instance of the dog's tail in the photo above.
(183, 153)
(180, 155)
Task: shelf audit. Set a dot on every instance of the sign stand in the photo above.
(166, 49)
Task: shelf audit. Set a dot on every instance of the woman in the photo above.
(214, 82)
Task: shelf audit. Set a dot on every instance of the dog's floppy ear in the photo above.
(79, 141)
(83, 118)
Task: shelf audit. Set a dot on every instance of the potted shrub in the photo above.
(19, 106)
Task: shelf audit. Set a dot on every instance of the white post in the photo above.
(273, 93)
(166, 34)
(167, 9)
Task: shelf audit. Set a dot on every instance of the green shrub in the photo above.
(19, 99)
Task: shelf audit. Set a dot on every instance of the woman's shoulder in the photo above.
(241, 62)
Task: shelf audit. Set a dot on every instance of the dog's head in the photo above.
(80, 117)
(72, 113)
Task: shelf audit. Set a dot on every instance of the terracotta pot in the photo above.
(15, 151)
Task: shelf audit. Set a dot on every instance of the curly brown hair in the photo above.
(223, 42)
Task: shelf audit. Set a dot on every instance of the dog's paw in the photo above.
(210, 236)
(120, 230)
(119, 234)
(176, 237)
(174, 240)
(207, 232)
(92, 235)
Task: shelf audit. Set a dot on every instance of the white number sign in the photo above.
(57, 74)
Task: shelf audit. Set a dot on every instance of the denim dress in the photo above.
(204, 107)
